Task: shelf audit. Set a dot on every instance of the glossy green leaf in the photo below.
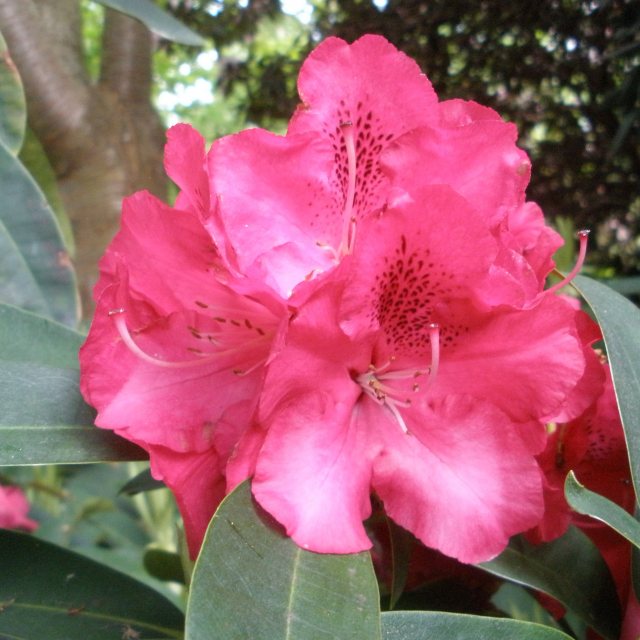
(49, 592)
(561, 569)
(597, 506)
(13, 113)
(32, 226)
(44, 418)
(251, 581)
(157, 20)
(428, 625)
(620, 322)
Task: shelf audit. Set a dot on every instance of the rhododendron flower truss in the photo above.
(396, 377)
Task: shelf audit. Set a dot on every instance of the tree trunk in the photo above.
(104, 140)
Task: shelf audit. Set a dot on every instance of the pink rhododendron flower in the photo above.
(174, 358)
(396, 378)
(14, 509)
(356, 306)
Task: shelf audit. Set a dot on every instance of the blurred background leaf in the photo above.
(49, 592)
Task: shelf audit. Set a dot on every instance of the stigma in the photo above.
(583, 237)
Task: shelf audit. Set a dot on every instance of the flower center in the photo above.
(388, 387)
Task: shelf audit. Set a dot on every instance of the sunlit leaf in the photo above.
(44, 418)
(157, 20)
(428, 625)
(32, 226)
(561, 569)
(597, 506)
(13, 114)
(251, 581)
(49, 592)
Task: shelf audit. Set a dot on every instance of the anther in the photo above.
(115, 312)
(583, 236)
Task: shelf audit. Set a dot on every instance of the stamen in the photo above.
(374, 381)
(348, 219)
(118, 316)
(583, 235)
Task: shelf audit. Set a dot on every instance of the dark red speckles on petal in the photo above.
(409, 295)
(370, 137)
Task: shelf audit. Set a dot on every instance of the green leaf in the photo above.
(44, 418)
(251, 581)
(561, 569)
(428, 625)
(13, 112)
(49, 592)
(32, 226)
(157, 20)
(597, 506)
(19, 286)
(620, 322)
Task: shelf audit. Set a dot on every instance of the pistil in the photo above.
(583, 236)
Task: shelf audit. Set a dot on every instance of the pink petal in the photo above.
(525, 362)
(14, 509)
(175, 407)
(413, 263)
(359, 84)
(339, 82)
(277, 204)
(198, 483)
(311, 474)
(168, 253)
(462, 481)
(478, 158)
(533, 238)
(590, 385)
(185, 163)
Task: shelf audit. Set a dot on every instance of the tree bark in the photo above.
(103, 140)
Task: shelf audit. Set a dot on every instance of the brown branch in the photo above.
(58, 95)
(127, 47)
